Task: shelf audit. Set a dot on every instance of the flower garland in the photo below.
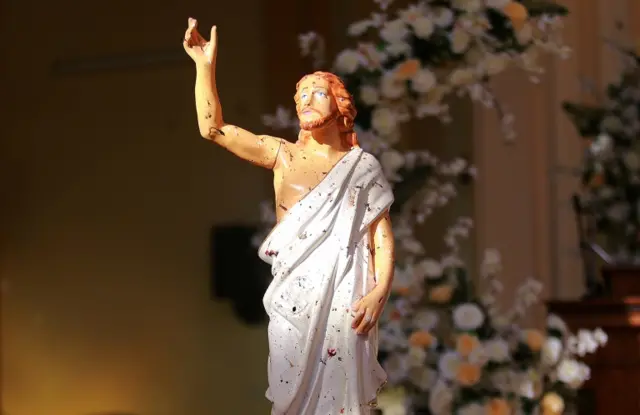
(610, 193)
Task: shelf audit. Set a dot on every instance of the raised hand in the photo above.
(201, 51)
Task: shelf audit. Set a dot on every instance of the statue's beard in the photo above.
(319, 123)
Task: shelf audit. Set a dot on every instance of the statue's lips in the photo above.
(309, 111)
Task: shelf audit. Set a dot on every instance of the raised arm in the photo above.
(261, 150)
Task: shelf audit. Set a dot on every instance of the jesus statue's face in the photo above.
(317, 107)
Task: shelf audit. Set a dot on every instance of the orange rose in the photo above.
(441, 294)
(497, 406)
(468, 374)
(517, 13)
(534, 339)
(421, 339)
(552, 404)
(466, 343)
(407, 69)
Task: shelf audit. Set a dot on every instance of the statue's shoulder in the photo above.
(369, 162)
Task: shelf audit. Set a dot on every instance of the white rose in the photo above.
(348, 61)
(440, 399)
(493, 64)
(469, 6)
(394, 31)
(573, 373)
(471, 409)
(369, 95)
(468, 316)
(497, 350)
(587, 341)
(423, 81)
(601, 145)
(384, 121)
(423, 377)
(497, 4)
(448, 364)
(443, 17)
(391, 160)
(417, 356)
(429, 268)
(462, 76)
(525, 34)
(425, 320)
(423, 27)
(600, 336)
(460, 40)
(555, 322)
(551, 351)
(392, 88)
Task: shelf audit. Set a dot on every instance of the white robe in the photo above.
(319, 255)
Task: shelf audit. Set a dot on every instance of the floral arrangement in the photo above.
(406, 65)
(610, 176)
(449, 349)
(445, 347)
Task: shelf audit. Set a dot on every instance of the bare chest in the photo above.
(296, 177)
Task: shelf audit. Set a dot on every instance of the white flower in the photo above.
(492, 262)
(282, 119)
(448, 364)
(471, 409)
(469, 6)
(462, 76)
(551, 351)
(369, 95)
(497, 4)
(497, 350)
(417, 356)
(601, 145)
(600, 336)
(468, 316)
(525, 34)
(384, 121)
(396, 365)
(554, 322)
(391, 87)
(573, 373)
(391, 160)
(423, 377)
(348, 61)
(440, 398)
(425, 320)
(502, 380)
(460, 40)
(493, 63)
(423, 81)
(443, 17)
(423, 27)
(394, 31)
(391, 335)
(428, 268)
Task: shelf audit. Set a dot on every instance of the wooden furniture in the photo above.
(614, 387)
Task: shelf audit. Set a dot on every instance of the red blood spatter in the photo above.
(331, 352)
(342, 411)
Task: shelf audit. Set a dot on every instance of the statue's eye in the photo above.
(322, 94)
(303, 96)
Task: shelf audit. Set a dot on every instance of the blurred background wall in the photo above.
(109, 194)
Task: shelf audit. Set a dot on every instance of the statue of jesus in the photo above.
(331, 251)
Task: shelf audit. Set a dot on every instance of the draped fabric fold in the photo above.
(319, 255)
